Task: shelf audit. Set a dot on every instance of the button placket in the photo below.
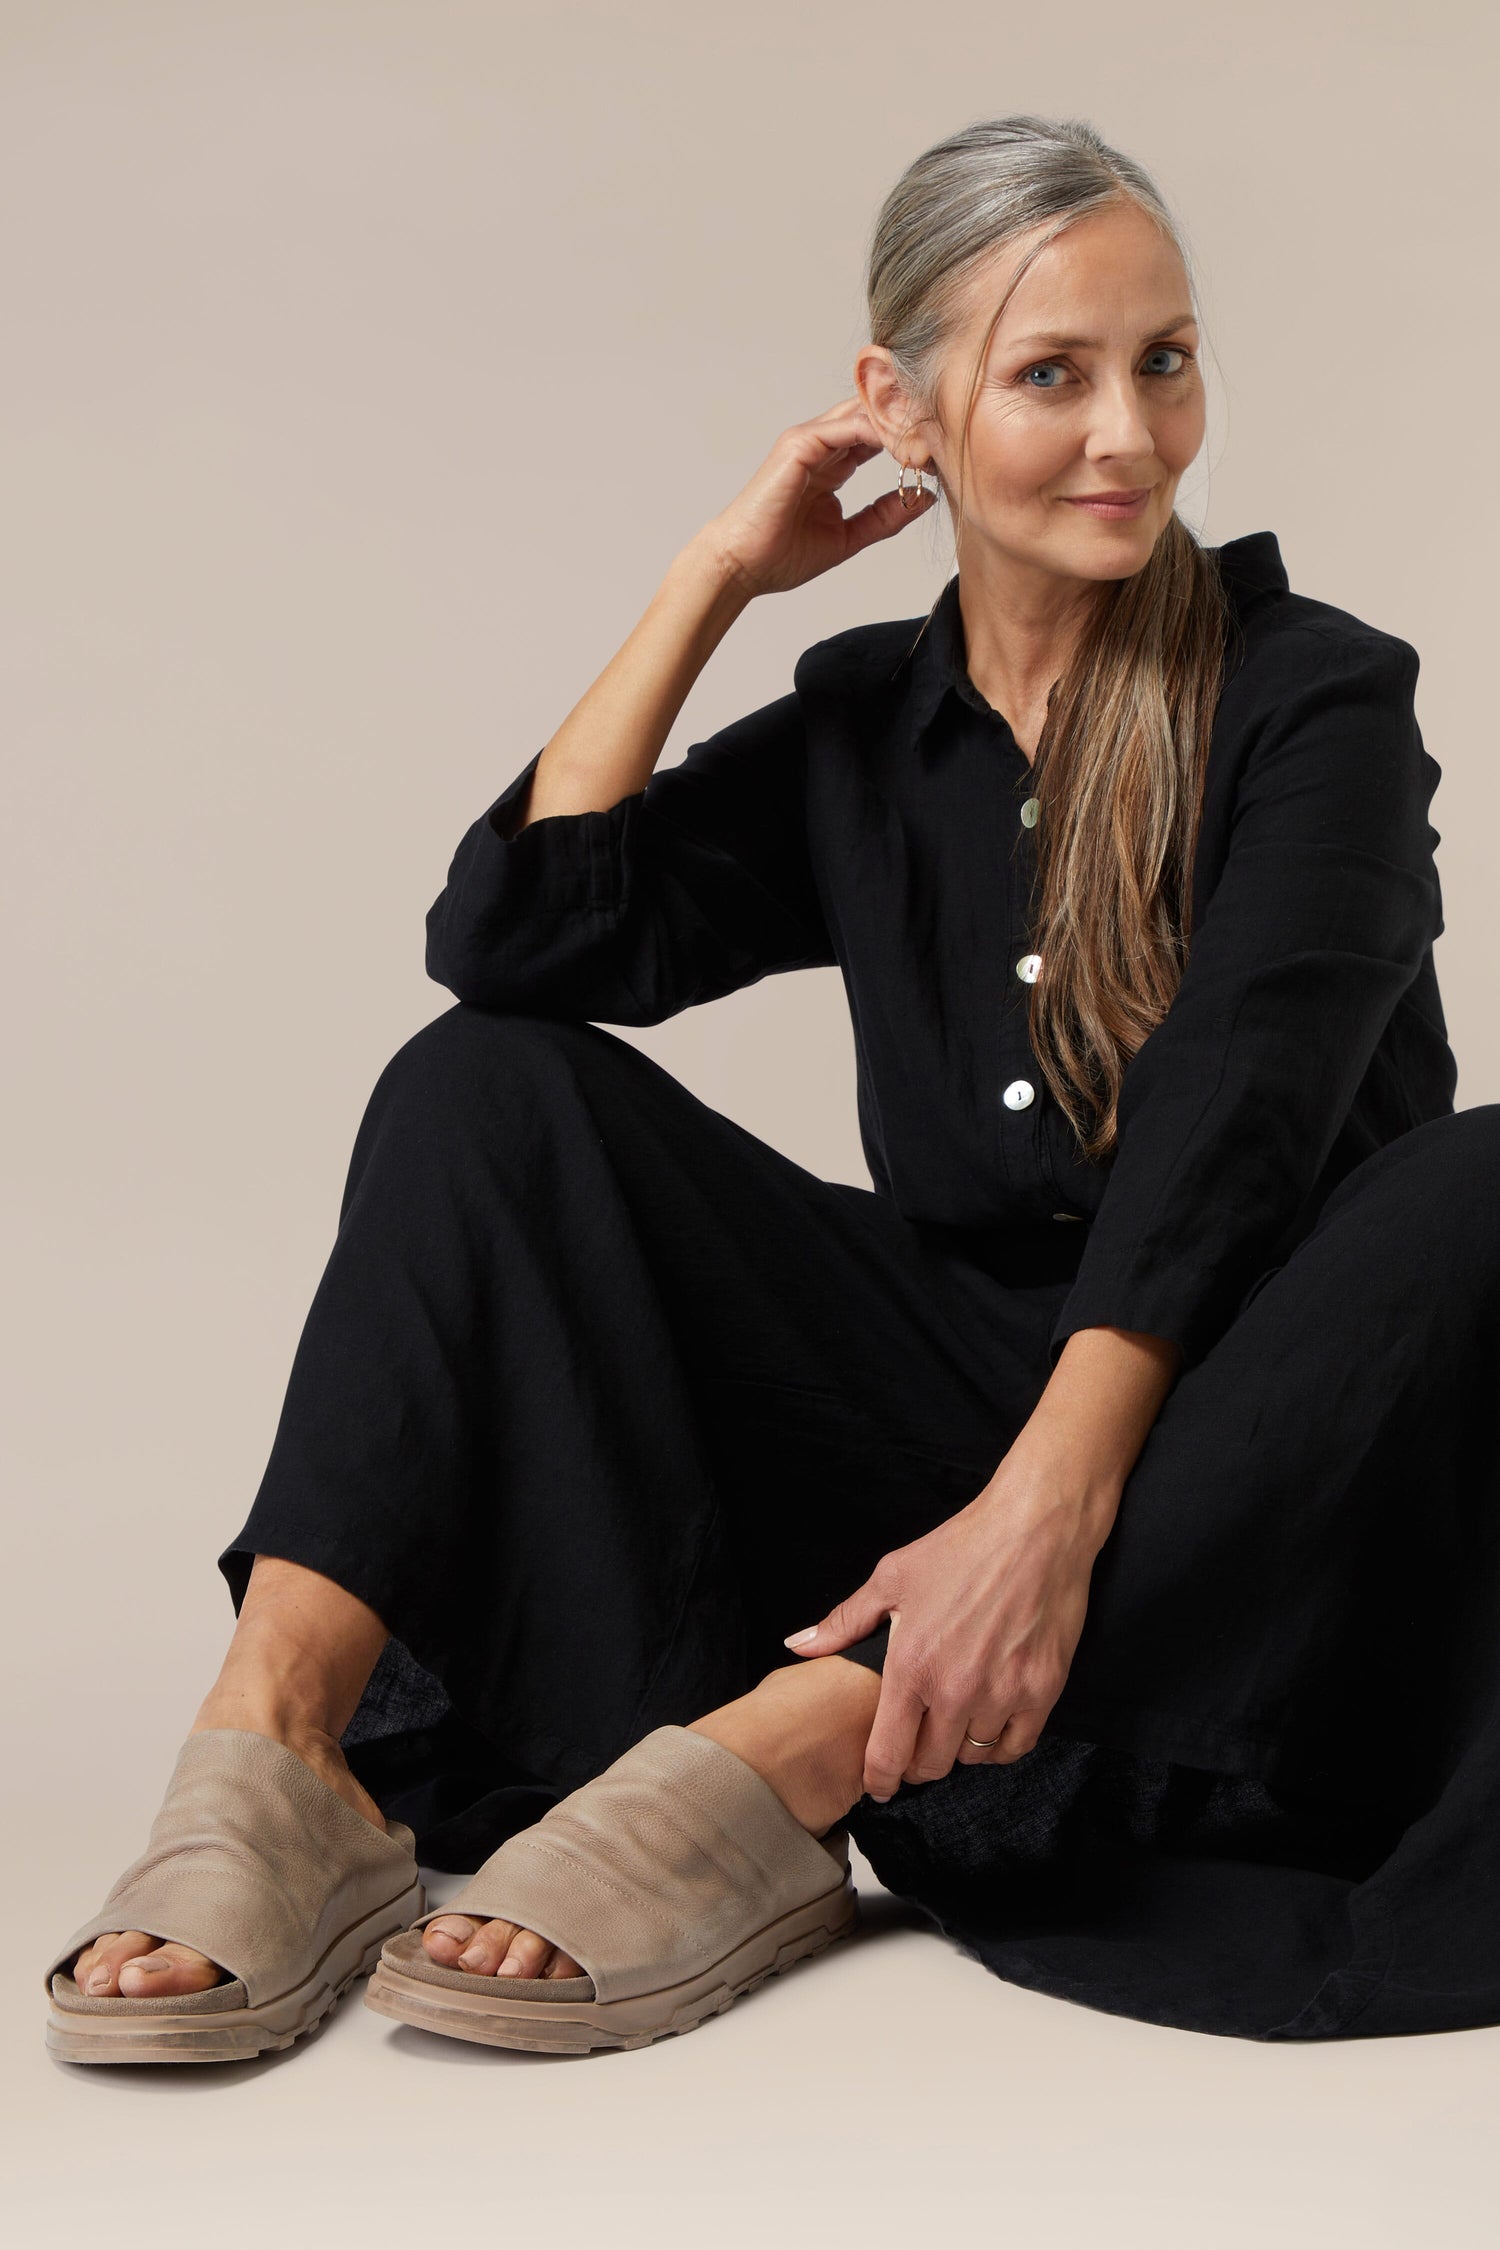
(1022, 1115)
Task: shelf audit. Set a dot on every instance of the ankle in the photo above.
(804, 1728)
(273, 1682)
(306, 1737)
(261, 1706)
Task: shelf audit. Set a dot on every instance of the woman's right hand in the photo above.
(787, 526)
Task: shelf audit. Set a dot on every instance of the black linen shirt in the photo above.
(880, 819)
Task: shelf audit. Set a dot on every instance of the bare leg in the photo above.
(302, 1651)
(803, 1729)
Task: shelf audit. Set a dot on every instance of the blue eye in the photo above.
(1054, 367)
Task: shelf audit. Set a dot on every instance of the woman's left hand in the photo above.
(986, 1612)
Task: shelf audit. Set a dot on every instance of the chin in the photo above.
(1113, 550)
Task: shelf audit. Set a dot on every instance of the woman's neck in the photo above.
(1019, 631)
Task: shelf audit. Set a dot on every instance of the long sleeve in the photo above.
(1326, 906)
(691, 888)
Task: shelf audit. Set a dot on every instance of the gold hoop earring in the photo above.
(910, 498)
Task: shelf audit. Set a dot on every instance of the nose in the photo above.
(1119, 427)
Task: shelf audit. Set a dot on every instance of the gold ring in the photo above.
(981, 1745)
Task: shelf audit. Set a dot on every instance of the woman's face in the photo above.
(1090, 385)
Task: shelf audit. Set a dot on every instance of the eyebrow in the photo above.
(1092, 343)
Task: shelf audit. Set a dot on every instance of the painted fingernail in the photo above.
(794, 1640)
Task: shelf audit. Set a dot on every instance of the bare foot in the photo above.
(128, 1965)
(803, 1729)
(302, 1650)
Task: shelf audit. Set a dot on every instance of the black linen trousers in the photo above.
(600, 1396)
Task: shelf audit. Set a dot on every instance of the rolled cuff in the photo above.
(558, 863)
(1190, 1306)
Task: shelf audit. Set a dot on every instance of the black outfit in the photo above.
(600, 1396)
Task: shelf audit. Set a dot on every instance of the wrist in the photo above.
(713, 575)
(1047, 1478)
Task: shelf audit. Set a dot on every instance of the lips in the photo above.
(1107, 499)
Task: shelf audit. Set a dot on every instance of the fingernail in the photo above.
(794, 1640)
(879, 1799)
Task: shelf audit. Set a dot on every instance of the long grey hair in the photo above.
(1120, 764)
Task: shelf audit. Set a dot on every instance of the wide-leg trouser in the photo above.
(599, 1396)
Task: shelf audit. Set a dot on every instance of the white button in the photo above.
(1019, 1094)
(1029, 812)
(1028, 967)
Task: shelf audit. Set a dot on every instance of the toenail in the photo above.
(509, 1968)
(99, 1981)
(472, 1959)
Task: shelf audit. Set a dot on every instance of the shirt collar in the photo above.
(937, 660)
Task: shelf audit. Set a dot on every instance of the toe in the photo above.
(167, 1969)
(526, 1956)
(97, 1969)
(444, 1939)
(487, 1949)
(129, 1965)
(455, 1941)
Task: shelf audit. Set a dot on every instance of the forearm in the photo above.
(1090, 1423)
(608, 745)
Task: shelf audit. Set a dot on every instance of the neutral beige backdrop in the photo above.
(363, 367)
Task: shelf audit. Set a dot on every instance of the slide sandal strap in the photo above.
(253, 1860)
(658, 1867)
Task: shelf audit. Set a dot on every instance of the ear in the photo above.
(888, 404)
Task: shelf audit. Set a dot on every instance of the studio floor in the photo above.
(891, 2088)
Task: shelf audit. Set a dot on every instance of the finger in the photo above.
(883, 518)
(845, 413)
(888, 1750)
(939, 1741)
(841, 465)
(987, 1725)
(1022, 1733)
(847, 424)
(849, 1620)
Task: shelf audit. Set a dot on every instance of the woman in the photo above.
(1127, 1444)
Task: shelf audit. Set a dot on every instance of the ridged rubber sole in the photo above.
(238, 2034)
(494, 2017)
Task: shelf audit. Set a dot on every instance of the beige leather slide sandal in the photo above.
(677, 1878)
(256, 1862)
